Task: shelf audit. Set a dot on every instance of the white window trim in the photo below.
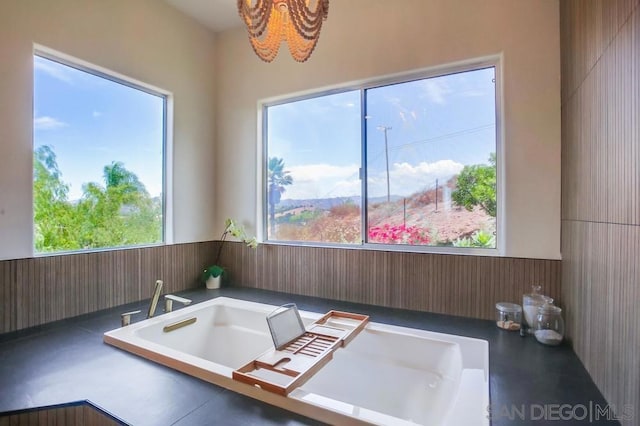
(495, 61)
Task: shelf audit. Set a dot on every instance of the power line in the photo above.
(445, 136)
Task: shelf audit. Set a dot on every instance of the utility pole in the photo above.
(386, 156)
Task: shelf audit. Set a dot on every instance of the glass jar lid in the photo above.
(508, 307)
(536, 297)
(549, 308)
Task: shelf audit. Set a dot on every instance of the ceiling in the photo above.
(218, 15)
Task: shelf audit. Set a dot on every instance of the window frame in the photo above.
(493, 61)
(167, 143)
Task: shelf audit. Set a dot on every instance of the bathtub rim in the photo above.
(220, 375)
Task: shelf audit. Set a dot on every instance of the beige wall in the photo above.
(600, 187)
(143, 39)
(363, 39)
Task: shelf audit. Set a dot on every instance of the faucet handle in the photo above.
(170, 298)
(125, 319)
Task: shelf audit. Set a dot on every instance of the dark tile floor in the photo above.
(67, 361)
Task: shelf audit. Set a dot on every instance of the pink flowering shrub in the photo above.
(398, 234)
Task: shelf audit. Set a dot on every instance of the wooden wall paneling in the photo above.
(192, 259)
(7, 296)
(24, 296)
(613, 281)
(587, 29)
(115, 272)
(38, 290)
(407, 270)
(171, 264)
(176, 259)
(93, 417)
(73, 415)
(630, 334)
(567, 153)
(601, 191)
(633, 123)
(324, 272)
(56, 287)
(635, 112)
(459, 285)
(249, 257)
(150, 269)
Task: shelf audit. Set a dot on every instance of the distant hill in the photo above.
(430, 213)
(328, 203)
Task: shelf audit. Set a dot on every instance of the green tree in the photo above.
(120, 213)
(278, 179)
(55, 221)
(476, 186)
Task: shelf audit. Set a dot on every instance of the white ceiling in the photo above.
(218, 15)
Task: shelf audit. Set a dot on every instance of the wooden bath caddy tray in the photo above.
(284, 369)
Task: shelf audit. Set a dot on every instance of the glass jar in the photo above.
(508, 316)
(531, 303)
(549, 328)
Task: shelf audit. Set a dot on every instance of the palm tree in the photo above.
(116, 174)
(278, 179)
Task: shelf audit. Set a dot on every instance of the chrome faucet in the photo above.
(170, 298)
(154, 299)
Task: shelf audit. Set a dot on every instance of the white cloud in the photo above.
(327, 181)
(435, 90)
(47, 123)
(315, 172)
(96, 114)
(323, 181)
(406, 179)
(473, 93)
(55, 71)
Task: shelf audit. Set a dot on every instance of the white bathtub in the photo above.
(387, 375)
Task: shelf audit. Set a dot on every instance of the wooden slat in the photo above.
(7, 296)
(74, 415)
(39, 290)
(601, 191)
(458, 285)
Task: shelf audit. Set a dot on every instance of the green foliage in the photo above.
(278, 179)
(476, 186)
(120, 213)
(212, 271)
(479, 239)
(231, 227)
(54, 217)
(299, 218)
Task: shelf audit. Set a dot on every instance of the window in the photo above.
(98, 171)
(403, 163)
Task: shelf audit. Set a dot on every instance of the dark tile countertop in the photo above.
(67, 361)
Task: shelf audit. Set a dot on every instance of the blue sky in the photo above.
(438, 125)
(91, 121)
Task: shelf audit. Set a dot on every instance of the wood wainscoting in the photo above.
(39, 290)
(80, 413)
(467, 286)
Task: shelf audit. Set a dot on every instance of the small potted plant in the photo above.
(212, 276)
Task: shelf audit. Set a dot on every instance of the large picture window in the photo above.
(404, 163)
(98, 171)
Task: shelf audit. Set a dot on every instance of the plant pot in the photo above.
(213, 282)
